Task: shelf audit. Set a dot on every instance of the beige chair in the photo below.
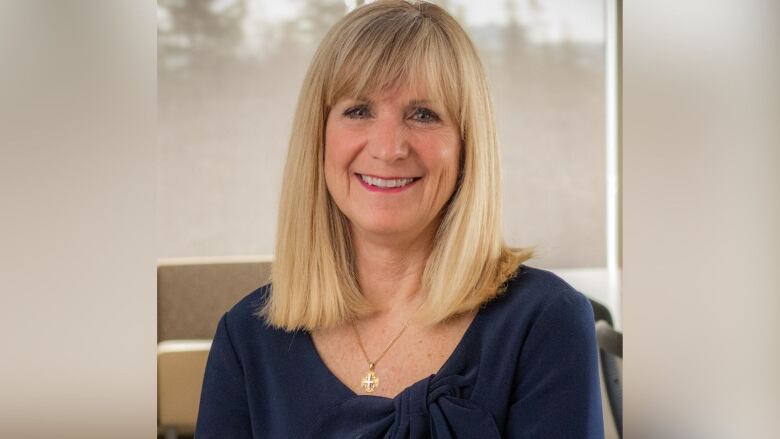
(192, 295)
(180, 368)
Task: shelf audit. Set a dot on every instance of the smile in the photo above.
(378, 184)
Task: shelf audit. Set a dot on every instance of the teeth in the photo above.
(381, 182)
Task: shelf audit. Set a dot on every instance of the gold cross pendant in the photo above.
(370, 381)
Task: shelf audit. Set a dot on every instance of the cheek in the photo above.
(452, 158)
(340, 149)
(445, 157)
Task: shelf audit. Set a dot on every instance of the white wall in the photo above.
(77, 197)
(701, 199)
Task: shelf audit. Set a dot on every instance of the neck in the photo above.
(390, 270)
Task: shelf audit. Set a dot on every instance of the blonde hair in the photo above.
(374, 47)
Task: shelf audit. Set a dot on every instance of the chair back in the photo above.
(192, 294)
(610, 344)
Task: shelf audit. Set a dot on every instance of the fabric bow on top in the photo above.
(435, 407)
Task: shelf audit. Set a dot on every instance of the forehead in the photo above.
(403, 93)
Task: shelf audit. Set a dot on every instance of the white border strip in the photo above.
(612, 64)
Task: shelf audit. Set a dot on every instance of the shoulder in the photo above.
(539, 286)
(244, 311)
(243, 322)
(533, 292)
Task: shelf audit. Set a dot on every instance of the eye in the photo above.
(425, 115)
(360, 111)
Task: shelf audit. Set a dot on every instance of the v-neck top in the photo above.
(526, 367)
(327, 372)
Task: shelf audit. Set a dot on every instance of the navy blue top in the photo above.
(526, 367)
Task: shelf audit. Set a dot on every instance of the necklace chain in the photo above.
(360, 343)
(370, 381)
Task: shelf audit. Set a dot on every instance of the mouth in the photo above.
(386, 184)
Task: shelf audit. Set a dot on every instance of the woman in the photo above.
(395, 308)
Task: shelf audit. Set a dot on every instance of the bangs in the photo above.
(409, 50)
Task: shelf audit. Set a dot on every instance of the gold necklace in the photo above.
(370, 381)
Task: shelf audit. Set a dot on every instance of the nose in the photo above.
(388, 141)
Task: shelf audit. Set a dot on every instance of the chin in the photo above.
(387, 226)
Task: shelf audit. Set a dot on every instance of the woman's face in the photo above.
(391, 161)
